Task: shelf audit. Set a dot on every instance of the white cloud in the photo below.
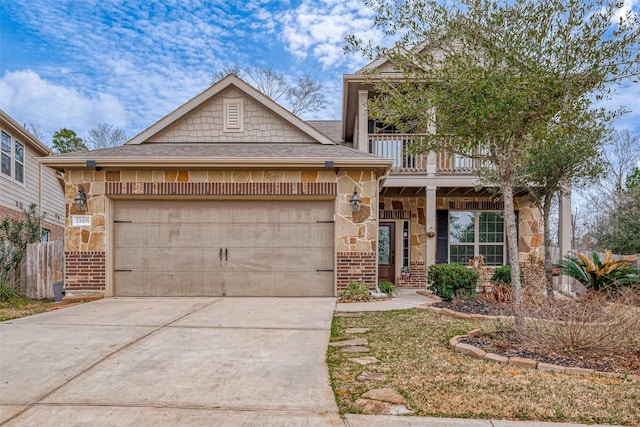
(30, 99)
(320, 27)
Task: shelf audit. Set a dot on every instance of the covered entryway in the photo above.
(223, 247)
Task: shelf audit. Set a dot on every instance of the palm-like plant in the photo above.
(597, 274)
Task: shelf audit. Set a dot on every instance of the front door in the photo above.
(387, 252)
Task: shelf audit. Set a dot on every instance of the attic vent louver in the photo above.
(233, 115)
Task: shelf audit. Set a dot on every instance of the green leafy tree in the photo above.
(490, 76)
(66, 141)
(566, 156)
(15, 235)
(622, 232)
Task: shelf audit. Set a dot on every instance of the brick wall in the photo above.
(356, 266)
(85, 271)
(56, 231)
(222, 188)
(416, 278)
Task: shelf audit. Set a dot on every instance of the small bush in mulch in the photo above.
(452, 280)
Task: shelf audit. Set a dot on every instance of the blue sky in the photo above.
(78, 63)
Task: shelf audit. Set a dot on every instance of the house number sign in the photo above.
(81, 220)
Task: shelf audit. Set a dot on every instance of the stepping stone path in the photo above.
(355, 349)
(383, 401)
(356, 330)
(371, 376)
(348, 343)
(365, 360)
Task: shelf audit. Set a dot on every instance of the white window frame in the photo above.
(7, 154)
(476, 234)
(18, 162)
(12, 154)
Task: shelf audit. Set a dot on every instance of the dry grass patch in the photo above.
(8, 311)
(412, 346)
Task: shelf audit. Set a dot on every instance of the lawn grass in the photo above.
(8, 311)
(412, 346)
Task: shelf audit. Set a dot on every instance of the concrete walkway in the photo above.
(186, 361)
(170, 361)
(405, 298)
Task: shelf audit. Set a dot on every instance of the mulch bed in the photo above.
(475, 307)
(507, 344)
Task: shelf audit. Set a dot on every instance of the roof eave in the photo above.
(378, 163)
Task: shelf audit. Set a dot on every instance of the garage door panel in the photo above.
(173, 248)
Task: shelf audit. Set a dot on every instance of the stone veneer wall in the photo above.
(530, 225)
(355, 235)
(357, 232)
(56, 231)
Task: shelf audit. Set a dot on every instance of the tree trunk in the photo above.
(548, 268)
(514, 255)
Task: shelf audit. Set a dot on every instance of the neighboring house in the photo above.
(231, 194)
(23, 181)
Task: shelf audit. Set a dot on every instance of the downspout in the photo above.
(40, 196)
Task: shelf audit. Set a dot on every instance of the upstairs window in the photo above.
(12, 158)
(19, 162)
(5, 153)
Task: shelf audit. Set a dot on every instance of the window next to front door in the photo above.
(474, 233)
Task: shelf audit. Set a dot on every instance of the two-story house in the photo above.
(24, 182)
(430, 207)
(231, 194)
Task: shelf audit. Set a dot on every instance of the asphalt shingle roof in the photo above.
(221, 150)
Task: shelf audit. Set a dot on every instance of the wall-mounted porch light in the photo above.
(431, 232)
(355, 201)
(81, 199)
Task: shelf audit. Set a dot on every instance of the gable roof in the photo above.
(211, 93)
(23, 134)
(331, 128)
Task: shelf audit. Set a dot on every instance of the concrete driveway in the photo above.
(170, 361)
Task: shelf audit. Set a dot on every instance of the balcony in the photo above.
(396, 146)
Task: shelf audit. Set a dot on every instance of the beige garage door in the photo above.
(213, 248)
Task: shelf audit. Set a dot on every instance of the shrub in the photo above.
(356, 291)
(600, 275)
(503, 275)
(596, 322)
(387, 288)
(449, 280)
(15, 235)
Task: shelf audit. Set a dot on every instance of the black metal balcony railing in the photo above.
(396, 147)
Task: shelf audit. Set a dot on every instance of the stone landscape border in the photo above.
(457, 346)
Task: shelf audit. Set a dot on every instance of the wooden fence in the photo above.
(43, 266)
